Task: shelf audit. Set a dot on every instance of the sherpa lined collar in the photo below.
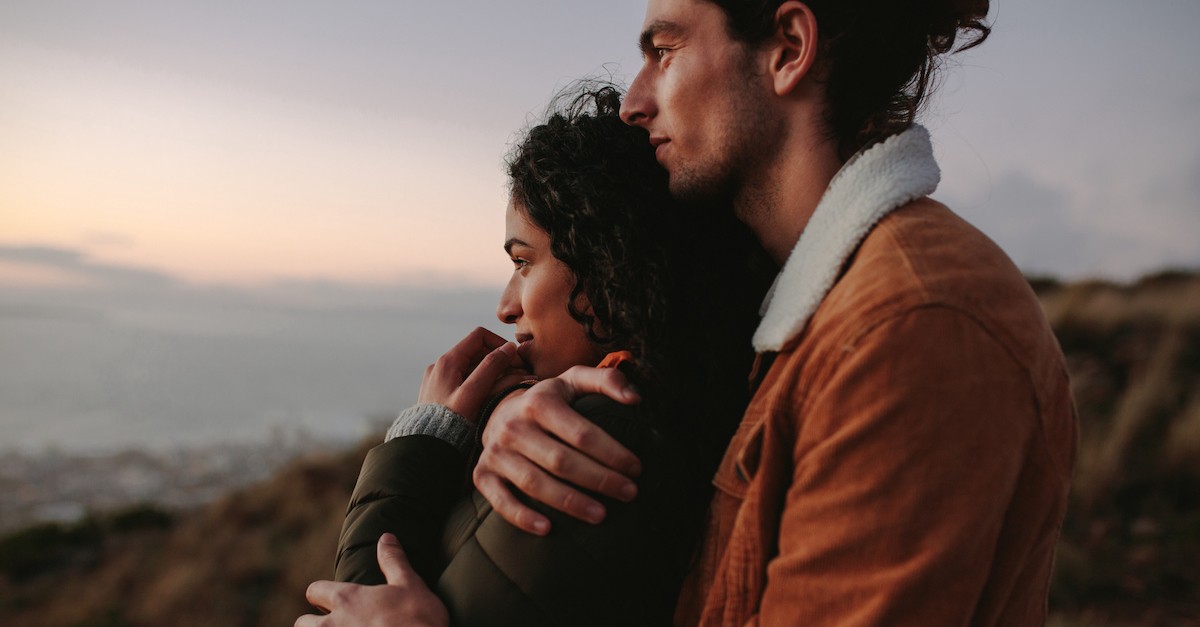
(886, 176)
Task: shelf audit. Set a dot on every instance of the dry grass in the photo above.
(245, 560)
(1131, 542)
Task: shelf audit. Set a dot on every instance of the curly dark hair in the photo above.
(879, 59)
(679, 290)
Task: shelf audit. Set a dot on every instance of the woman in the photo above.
(603, 261)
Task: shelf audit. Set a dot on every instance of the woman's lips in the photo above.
(524, 342)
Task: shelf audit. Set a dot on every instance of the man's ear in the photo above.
(794, 46)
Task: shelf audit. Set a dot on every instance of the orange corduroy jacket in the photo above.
(906, 457)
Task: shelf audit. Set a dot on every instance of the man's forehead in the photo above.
(679, 17)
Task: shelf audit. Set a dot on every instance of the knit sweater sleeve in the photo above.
(434, 420)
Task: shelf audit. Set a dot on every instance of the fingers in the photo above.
(537, 442)
(512, 378)
(477, 344)
(324, 595)
(479, 383)
(392, 561)
(444, 378)
(464, 355)
(580, 380)
(497, 492)
(516, 446)
(546, 406)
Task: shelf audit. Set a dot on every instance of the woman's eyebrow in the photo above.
(514, 242)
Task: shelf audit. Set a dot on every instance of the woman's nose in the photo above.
(509, 308)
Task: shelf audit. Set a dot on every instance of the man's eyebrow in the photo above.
(656, 28)
(508, 246)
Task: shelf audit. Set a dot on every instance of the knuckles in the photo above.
(529, 479)
(570, 502)
(557, 461)
(536, 403)
(343, 596)
(581, 435)
(503, 435)
(477, 475)
(447, 362)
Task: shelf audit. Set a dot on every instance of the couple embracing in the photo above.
(887, 441)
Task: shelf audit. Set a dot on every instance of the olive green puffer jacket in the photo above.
(624, 571)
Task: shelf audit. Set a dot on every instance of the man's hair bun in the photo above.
(958, 22)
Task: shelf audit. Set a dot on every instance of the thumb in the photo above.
(392, 560)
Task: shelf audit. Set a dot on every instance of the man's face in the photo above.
(701, 96)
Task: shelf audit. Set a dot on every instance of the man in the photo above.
(906, 456)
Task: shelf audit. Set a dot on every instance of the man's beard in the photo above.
(729, 181)
(704, 190)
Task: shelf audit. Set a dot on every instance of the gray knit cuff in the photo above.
(435, 420)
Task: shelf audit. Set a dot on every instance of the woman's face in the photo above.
(535, 299)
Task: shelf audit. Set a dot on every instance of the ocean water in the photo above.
(164, 367)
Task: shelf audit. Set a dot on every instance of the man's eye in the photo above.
(660, 53)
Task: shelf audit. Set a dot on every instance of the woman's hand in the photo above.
(479, 366)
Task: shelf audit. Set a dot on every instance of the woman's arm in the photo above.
(406, 487)
(487, 571)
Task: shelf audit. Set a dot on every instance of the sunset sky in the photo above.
(360, 142)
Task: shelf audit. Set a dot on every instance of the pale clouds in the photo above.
(1050, 230)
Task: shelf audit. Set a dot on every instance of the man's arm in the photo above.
(537, 443)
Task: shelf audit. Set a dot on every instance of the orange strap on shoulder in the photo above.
(614, 359)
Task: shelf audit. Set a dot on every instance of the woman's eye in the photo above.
(519, 263)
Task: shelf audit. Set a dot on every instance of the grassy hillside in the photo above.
(244, 560)
(1129, 553)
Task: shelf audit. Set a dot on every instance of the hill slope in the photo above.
(1128, 555)
(244, 560)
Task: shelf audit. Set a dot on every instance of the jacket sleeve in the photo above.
(905, 467)
(405, 487)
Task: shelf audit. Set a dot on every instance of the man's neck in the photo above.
(778, 205)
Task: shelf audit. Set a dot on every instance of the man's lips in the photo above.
(658, 143)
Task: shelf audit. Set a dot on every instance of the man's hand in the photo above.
(404, 600)
(536, 442)
(479, 366)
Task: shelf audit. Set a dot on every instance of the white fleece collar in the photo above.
(886, 176)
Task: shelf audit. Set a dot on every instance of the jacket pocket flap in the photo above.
(740, 463)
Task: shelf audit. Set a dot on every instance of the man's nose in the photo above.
(638, 106)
